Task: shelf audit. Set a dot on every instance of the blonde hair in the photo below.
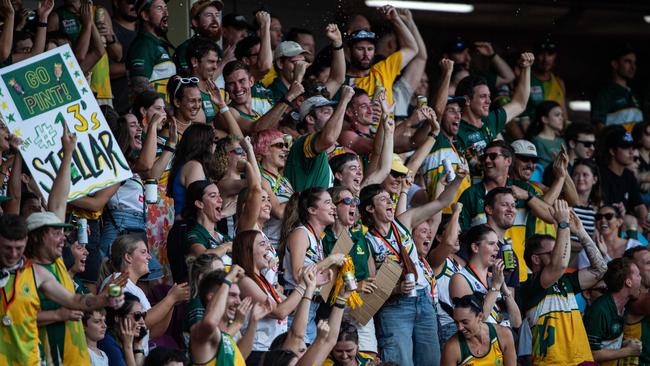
(122, 245)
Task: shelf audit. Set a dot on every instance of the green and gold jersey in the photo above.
(471, 140)
(261, 102)
(473, 214)
(359, 251)
(640, 330)
(362, 360)
(19, 306)
(306, 168)
(383, 73)
(559, 336)
(148, 56)
(604, 326)
(494, 356)
(227, 354)
(62, 343)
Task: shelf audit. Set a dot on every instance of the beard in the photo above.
(359, 66)
(160, 29)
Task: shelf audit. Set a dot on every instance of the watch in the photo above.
(563, 225)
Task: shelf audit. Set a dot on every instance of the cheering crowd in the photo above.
(484, 227)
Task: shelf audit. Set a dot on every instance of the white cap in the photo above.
(312, 103)
(40, 219)
(524, 148)
(288, 49)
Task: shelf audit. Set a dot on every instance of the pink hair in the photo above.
(263, 139)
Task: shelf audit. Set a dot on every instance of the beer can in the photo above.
(82, 231)
(449, 168)
(150, 191)
(410, 277)
(422, 101)
(350, 281)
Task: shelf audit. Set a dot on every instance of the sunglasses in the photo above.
(184, 81)
(586, 144)
(608, 216)
(492, 156)
(526, 159)
(281, 145)
(139, 315)
(350, 201)
(397, 175)
(237, 151)
(637, 159)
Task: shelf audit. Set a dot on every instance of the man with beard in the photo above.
(205, 18)
(148, 63)
(496, 162)
(362, 73)
(479, 126)
(544, 84)
(124, 24)
(604, 318)
(234, 29)
(252, 102)
(637, 319)
(307, 164)
(615, 104)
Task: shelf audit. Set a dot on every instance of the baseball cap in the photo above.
(200, 5)
(546, 45)
(38, 220)
(461, 101)
(362, 35)
(619, 137)
(236, 21)
(288, 49)
(398, 166)
(524, 148)
(312, 103)
(455, 46)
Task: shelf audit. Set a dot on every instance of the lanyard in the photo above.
(318, 243)
(277, 179)
(396, 233)
(473, 272)
(269, 289)
(432, 275)
(7, 303)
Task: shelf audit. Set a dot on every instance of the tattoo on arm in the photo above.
(139, 84)
(598, 263)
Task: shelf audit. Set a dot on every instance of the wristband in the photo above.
(336, 48)
(431, 134)
(224, 109)
(530, 197)
(492, 56)
(307, 298)
(286, 101)
(42, 24)
(111, 42)
(339, 305)
(227, 282)
(494, 289)
(341, 299)
(169, 148)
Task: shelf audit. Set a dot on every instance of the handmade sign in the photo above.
(343, 246)
(387, 277)
(36, 96)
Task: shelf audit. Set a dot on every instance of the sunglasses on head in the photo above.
(281, 145)
(492, 156)
(468, 301)
(586, 144)
(608, 216)
(349, 201)
(139, 315)
(184, 81)
(397, 175)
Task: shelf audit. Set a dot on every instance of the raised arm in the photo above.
(447, 245)
(83, 42)
(440, 99)
(7, 35)
(147, 156)
(522, 90)
(265, 56)
(95, 51)
(296, 333)
(330, 133)
(14, 186)
(415, 69)
(588, 277)
(505, 75)
(415, 216)
(537, 206)
(337, 69)
(162, 161)
(113, 45)
(384, 158)
(98, 200)
(58, 198)
(409, 47)
(248, 219)
(562, 249)
(272, 118)
(230, 122)
(424, 149)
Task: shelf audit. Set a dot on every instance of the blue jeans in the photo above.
(445, 332)
(117, 223)
(310, 332)
(408, 331)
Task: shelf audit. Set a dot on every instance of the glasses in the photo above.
(237, 151)
(526, 159)
(608, 216)
(139, 315)
(637, 159)
(281, 145)
(586, 144)
(184, 81)
(350, 201)
(397, 175)
(492, 156)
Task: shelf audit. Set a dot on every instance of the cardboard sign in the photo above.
(343, 245)
(36, 96)
(387, 277)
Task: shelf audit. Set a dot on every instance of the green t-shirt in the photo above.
(547, 149)
(305, 168)
(359, 251)
(615, 105)
(208, 107)
(148, 56)
(69, 24)
(261, 102)
(604, 325)
(200, 235)
(471, 141)
(277, 89)
(193, 313)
